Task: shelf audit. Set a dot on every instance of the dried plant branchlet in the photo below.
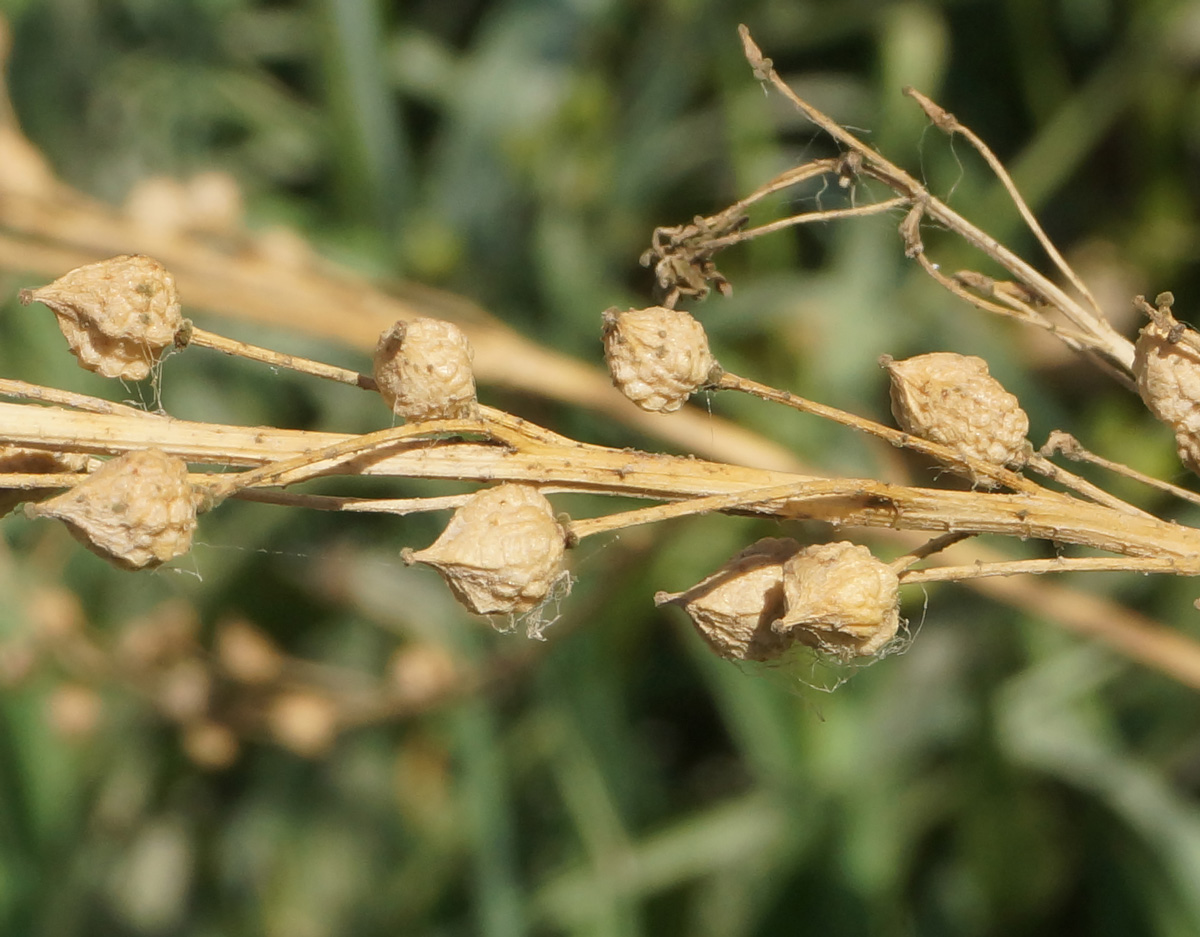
(953, 400)
(734, 608)
(658, 357)
(137, 510)
(118, 315)
(840, 599)
(423, 369)
(501, 553)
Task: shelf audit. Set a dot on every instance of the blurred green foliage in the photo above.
(1000, 778)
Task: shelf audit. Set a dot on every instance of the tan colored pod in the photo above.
(502, 551)
(658, 357)
(423, 369)
(118, 315)
(303, 721)
(951, 399)
(136, 511)
(733, 609)
(840, 599)
(1168, 379)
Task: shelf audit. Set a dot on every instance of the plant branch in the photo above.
(1101, 336)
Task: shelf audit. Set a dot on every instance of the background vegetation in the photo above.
(1001, 778)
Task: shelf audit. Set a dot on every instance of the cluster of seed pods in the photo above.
(503, 551)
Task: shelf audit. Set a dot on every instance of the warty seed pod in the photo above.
(840, 599)
(118, 315)
(733, 609)
(136, 511)
(502, 551)
(423, 369)
(658, 357)
(1168, 379)
(952, 399)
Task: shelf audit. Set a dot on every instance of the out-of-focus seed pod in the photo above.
(74, 711)
(210, 745)
(733, 609)
(167, 633)
(184, 690)
(118, 315)
(304, 722)
(840, 599)
(501, 553)
(658, 357)
(1168, 379)
(420, 672)
(55, 614)
(951, 399)
(423, 369)
(247, 654)
(137, 510)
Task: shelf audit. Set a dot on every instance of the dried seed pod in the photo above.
(304, 721)
(423, 368)
(951, 399)
(137, 510)
(247, 654)
(734, 607)
(209, 744)
(658, 357)
(1168, 379)
(118, 315)
(840, 599)
(501, 553)
(74, 711)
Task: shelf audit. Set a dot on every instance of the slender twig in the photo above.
(949, 124)
(192, 334)
(928, 549)
(1179, 566)
(1044, 466)
(23, 390)
(1071, 448)
(832, 214)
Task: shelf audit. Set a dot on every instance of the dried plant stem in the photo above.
(747, 499)
(896, 437)
(194, 335)
(1071, 448)
(1100, 335)
(832, 214)
(26, 391)
(397, 506)
(1048, 469)
(949, 124)
(29, 481)
(927, 549)
(327, 459)
(407, 452)
(1180, 566)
